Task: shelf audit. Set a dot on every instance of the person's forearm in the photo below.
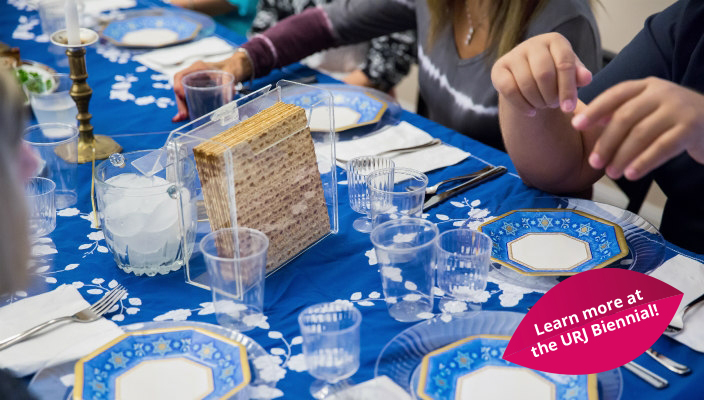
(547, 151)
(290, 40)
(210, 7)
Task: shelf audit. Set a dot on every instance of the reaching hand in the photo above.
(238, 65)
(645, 123)
(542, 72)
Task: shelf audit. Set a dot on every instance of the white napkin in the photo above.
(172, 59)
(66, 341)
(380, 387)
(399, 136)
(94, 7)
(686, 275)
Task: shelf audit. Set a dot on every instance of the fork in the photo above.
(89, 314)
(677, 323)
(431, 190)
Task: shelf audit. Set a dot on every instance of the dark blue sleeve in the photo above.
(650, 53)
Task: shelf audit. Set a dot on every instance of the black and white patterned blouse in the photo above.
(388, 58)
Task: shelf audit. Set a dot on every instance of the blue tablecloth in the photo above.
(341, 267)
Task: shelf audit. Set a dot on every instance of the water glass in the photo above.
(236, 261)
(52, 15)
(149, 222)
(207, 91)
(51, 101)
(396, 193)
(463, 259)
(56, 145)
(357, 171)
(406, 255)
(41, 206)
(330, 334)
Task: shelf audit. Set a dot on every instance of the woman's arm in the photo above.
(301, 35)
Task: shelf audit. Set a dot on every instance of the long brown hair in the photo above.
(14, 242)
(508, 21)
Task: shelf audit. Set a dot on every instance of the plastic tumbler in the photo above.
(406, 255)
(41, 207)
(396, 193)
(236, 262)
(463, 259)
(57, 147)
(207, 91)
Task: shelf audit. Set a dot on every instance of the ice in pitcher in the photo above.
(142, 226)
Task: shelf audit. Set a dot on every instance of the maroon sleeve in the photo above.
(290, 40)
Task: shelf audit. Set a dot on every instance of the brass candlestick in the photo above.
(89, 145)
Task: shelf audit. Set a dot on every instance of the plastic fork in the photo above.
(431, 190)
(677, 323)
(90, 314)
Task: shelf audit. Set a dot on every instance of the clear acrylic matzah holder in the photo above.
(182, 141)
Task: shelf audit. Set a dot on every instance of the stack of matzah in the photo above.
(277, 183)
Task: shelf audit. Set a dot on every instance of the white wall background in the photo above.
(620, 20)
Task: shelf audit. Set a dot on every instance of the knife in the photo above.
(486, 176)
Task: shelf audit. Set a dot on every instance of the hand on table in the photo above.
(542, 72)
(645, 122)
(238, 65)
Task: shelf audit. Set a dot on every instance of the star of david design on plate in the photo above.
(206, 364)
(554, 241)
(473, 368)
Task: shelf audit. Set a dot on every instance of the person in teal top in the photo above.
(236, 15)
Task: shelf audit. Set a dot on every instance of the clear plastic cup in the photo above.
(330, 334)
(57, 147)
(406, 255)
(236, 262)
(41, 206)
(463, 260)
(51, 101)
(357, 171)
(396, 193)
(207, 91)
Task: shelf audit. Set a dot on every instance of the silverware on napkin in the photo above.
(89, 314)
(492, 173)
(431, 190)
(677, 323)
(647, 375)
(409, 149)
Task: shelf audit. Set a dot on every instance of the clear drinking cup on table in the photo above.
(41, 206)
(52, 15)
(358, 169)
(207, 91)
(50, 99)
(330, 334)
(141, 216)
(56, 144)
(236, 262)
(396, 193)
(463, 260)
(405, 252)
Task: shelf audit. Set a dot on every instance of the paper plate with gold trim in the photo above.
(179, 362)
(488, 331)
(354, 107)
(547, 241)
(472, 368)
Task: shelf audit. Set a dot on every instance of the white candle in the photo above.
(72, 27)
